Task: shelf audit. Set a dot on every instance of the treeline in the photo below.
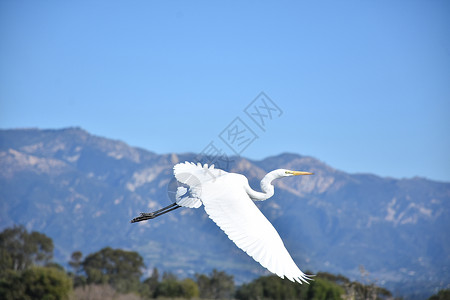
(28, 272)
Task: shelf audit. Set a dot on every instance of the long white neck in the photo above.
(266, 187)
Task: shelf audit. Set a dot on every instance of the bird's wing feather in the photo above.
(194, 175)
(183, 198)
(228, 205)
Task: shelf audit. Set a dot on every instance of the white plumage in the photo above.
(227, 198)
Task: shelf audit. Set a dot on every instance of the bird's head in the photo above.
(286, 173)
(281, 173)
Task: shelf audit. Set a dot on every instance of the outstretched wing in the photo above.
(228, 205)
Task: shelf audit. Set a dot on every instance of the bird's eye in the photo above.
(286, 172)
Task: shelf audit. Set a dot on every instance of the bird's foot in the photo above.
(143, 217)
(152, 214)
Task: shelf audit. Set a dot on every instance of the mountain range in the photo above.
(82, 190)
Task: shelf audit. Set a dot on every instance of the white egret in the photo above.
(227, 198)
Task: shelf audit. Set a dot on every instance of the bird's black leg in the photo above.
(152, 215)
(159, 210)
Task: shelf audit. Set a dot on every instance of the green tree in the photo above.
(321, 289)
(120, 268)
(441, 295)
(76, 264)
(190, 288)
(273, 287)
(218, 285)
(20, 249)
(12, 286)
(338, 279)
(35, 283)
(148, 287)
(55, 266)
(169, 286)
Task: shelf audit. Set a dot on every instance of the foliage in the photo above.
(75, 262)
(321, 289)
(20, 249)
(190, 288)
(170, 286)
(55, 266)
(219, 285)
(20, 277)
(77, 266)
(338, 279)
(12, 286)
(273, 287)
(441, 295)
(115, 274)
(35, 283)
(119, 268)
(149, 285)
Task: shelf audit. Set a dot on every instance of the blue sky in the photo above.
(363, 85)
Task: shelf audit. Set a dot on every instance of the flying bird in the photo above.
(228, 200)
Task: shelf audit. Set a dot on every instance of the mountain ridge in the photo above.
(86, 188)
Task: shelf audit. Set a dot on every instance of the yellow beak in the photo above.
(295, 173)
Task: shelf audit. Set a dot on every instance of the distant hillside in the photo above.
(82, 191)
